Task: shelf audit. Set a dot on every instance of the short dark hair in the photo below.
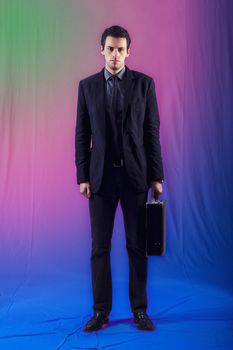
(116, 32)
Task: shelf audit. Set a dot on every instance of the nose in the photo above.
(115, 54)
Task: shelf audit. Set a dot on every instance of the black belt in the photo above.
(118, 163)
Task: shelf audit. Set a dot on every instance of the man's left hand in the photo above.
(156, 188)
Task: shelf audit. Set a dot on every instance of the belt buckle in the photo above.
(116, 163)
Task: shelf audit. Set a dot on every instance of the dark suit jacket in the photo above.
(141, 123)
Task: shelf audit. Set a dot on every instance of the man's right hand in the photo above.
(85, 189)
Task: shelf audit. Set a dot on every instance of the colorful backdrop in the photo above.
(46, 47)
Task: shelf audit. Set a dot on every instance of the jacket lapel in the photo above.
(130, 81)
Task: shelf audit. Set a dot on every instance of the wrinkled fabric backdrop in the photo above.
(46, 47)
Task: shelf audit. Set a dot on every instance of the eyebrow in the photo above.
(117, 47)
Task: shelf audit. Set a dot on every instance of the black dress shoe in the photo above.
(143, 321)
(96, 322)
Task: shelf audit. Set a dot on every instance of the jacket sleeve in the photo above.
(152, 137)
(82, 138)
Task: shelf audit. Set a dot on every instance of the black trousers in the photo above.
(102, 207)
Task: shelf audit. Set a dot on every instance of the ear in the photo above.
(102, 50)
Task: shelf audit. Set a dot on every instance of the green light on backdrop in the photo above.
(31, 37)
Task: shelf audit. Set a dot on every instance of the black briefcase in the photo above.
(155, 227)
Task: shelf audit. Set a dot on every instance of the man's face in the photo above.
(115, 52)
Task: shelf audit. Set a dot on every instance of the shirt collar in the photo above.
(120, 75)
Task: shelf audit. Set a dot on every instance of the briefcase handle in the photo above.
(155, 198)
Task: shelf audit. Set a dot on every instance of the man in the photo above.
(118, 157)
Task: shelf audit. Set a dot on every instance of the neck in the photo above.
(114, 72)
